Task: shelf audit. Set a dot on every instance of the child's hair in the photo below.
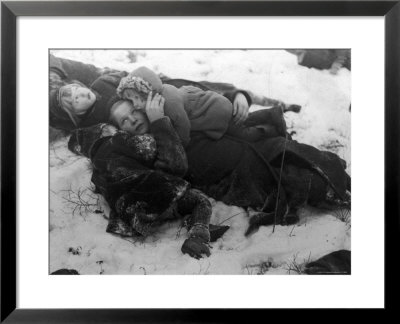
(126, 94)
(60, 101)
(131, 82)
(114, 107)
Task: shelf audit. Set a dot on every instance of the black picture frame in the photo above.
(11, 10)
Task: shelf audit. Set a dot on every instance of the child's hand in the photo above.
(195, 247)
(155, 107)
(240, 108)
(108, 130)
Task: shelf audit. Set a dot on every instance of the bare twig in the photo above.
(296, 267)
(344, 215)
(248, 270)
(243, 212)
(279, 183)
(181, 226)
(290, 234)
(80, 202)
(262, 267)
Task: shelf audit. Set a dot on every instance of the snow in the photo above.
(78, 239)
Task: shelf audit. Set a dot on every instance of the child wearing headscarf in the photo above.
(74, 105)
(192, 109)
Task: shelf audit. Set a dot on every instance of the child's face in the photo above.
(82, 99)
(131, 120)
(136, 99)
(79, 98)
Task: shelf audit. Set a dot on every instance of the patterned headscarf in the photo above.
(135, 83)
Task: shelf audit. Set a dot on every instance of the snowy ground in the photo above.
(78, 217)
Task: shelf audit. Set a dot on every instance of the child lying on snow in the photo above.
(102, 84)
(75, 106)
(193, 109)
(189, 108)
(140, 177)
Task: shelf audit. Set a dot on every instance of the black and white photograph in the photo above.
(200, 161)
(187, 161)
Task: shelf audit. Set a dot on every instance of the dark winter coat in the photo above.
(138, 175)
(260, 124)
(243, 174)
(69, 70)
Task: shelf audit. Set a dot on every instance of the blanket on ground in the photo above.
(248, 175)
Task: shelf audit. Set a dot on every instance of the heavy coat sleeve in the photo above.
(111, 79)
(174, 109)
(74, 70)
(167, 155)
(171, 156)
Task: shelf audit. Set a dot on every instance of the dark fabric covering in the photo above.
(229, 170)
(219, 87)
(324, 58)
(74, 70)
(303, 165)
(260, 124)
(65, 272)
(244, 174)
(335, 263)
(140, 177)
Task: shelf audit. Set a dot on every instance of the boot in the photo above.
(216, 231)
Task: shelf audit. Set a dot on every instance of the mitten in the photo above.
(197, 243)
